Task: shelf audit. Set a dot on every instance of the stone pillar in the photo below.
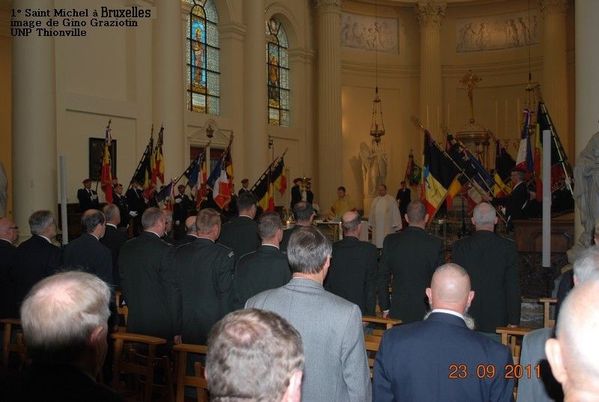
(555, 75)
(587, 82)
(255, 116)
(430, 15)
(329, 101)
(34, 145)
(169, 86)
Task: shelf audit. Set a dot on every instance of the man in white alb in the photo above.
(384, 216)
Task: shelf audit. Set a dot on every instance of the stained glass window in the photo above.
(202, 57)
(277, 64)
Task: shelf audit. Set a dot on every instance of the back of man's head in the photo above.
(190, 224)
(206, 220)
(246, 203)
(151, 218)
(112, 214)
(40, 221)
(484, 216)
(254, 355)
(416, 213)
(586, 265)
(62, 313)
(350, 223)
(268, 225)
(308, 250)
(574, 355)
(303, 212)
(91, 219)
(450, 289)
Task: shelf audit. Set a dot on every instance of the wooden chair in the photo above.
(122, 310)
(372, 347)
(136, 355)
(182, 379)
(512, 338)
(387, 323)
(10, 343)
(547, 302)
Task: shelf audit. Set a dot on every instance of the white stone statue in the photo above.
(374, 167)
(586, 189)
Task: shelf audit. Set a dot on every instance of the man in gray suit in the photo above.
(331, 328)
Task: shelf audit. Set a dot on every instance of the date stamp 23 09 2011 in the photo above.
(458, 371)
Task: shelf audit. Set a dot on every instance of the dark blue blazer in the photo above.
(415, 362)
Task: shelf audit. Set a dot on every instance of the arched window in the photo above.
(202, 58)
(277, 63)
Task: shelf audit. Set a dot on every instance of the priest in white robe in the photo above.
(384, 216)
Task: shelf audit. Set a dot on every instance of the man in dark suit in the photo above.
(66, 351)
(87, 252)
(516, 203)
(36, 258)
(241, 232)
(244, 187)
(191, 231)
(9, 233)
(353, 268)
(114, 238)
(296, 191)
(304, 215)
(205, 272)
(263, 269)
(404, 198)
(137, 205)
(120, 201)
(181, 211)
(441, 358)
(411, 256)
(492, 263)
(88, 198)
(149, 285)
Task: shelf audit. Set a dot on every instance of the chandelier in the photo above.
(377, 126)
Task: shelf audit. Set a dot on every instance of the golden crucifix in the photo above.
(469, 81)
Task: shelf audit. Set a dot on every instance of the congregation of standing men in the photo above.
(179, 287)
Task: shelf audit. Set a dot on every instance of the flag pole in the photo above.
(143, 157)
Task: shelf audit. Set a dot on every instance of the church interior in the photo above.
(305, 78)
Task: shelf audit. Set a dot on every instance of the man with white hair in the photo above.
(492, 263)
(574, 355)
(441, 358)
(64, 320)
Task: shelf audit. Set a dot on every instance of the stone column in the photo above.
(255, 115)
(555, 75)
(587, 82)
(169, 86)
(430, 15)
(329, 101)
(34, 122)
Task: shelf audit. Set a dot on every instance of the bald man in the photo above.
(191, 232)
(353, 267)
(574, 355)
(9, 233)
(492, 263)
(440, 358)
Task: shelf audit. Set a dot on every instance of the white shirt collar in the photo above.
(111, 224)
(270, 245)
(446, 311)
(44, 237)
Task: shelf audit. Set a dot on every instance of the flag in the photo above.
(165, 194)
(143, 172)
(413, 173)
(158, 163)
(438, 174)
(272, 178)
(453, 150)
(524, 159)
(219, 179)
(504, 163)
(106, 174)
